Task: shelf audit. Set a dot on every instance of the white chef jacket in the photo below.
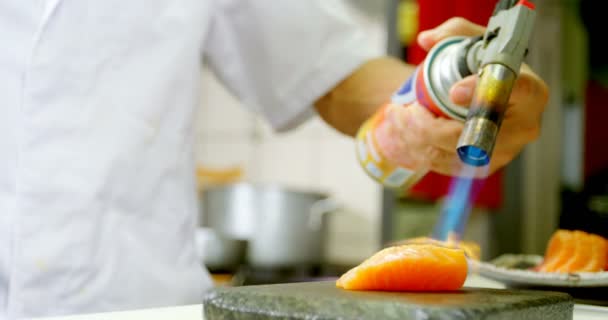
(97, 190)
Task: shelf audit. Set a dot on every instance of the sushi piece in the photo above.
(412, 267)
(575, 251)
(471, 249)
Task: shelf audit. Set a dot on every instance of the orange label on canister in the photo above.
(371, 158)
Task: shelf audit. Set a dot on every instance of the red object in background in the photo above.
(596, 135)
(431, 14)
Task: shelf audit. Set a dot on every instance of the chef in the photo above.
(97, 201)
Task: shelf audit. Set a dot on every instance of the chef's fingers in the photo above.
(461, 93)
(456, 26)
(528, 100)
(427, 142)
(430, 130)
(529, 95)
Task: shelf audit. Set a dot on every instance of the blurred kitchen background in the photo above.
(558, 181)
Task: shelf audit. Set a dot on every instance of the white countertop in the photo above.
(194, 312)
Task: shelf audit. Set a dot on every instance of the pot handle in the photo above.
(318, 210)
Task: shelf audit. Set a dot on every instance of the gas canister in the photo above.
(429, 85)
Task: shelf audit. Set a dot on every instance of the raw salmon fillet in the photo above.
(471, 249)
(575, 251)
(412, 267)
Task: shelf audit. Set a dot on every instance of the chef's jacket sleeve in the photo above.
(279, 57)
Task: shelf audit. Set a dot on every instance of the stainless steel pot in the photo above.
(218, 252)
(284, 228)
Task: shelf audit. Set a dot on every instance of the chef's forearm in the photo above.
(357, 97)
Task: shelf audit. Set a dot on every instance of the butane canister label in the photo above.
(407, 92)
(371, 157)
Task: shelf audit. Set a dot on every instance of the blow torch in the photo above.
(496, 58)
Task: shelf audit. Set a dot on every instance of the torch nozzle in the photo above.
(500, 56)
(490, 100)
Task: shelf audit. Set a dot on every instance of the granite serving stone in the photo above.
(322, 300)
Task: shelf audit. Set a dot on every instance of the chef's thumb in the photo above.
(456, 26)
(462, 91)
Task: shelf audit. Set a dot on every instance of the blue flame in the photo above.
(457, 206)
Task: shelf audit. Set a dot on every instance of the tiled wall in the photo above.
(312, 157)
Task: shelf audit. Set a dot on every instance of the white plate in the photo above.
(513, 269)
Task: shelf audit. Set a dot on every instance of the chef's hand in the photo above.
(430, 142)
